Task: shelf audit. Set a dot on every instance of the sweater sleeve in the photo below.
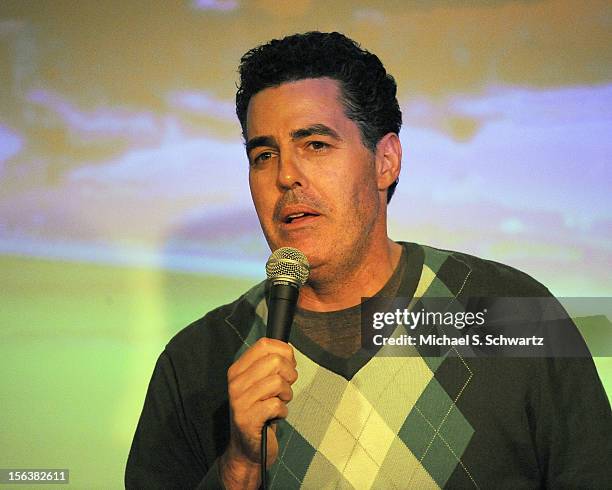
(165, 452)
(574, 425)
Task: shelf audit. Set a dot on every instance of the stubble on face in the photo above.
(341, 185)
(360, 224)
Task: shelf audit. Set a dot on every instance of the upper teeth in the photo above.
(296, 215)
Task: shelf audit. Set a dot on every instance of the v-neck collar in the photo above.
(413, 257)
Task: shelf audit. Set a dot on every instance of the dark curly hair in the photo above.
(368, 91)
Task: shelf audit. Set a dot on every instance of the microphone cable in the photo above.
(264, 456)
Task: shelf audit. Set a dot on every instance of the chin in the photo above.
(308, 248)
(301, 244)
(317, 251)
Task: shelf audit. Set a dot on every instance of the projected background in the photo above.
(124, 205)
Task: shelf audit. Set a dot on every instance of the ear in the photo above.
(388, 160)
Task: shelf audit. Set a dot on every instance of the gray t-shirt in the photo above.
(339, 332)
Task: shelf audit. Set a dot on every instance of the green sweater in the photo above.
(378, 421)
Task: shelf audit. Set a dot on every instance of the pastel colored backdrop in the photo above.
(124, 206)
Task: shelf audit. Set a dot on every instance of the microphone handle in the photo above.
(282, 299)
(281, 309)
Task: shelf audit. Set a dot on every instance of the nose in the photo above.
(290, 172)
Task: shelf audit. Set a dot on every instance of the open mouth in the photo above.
(298, 217)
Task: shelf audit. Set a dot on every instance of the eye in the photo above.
(262, 157)
(318, 145)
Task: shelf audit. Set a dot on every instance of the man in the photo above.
(321, 120)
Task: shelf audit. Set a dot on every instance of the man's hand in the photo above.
(259, 386)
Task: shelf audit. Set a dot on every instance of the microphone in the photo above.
(287, 270)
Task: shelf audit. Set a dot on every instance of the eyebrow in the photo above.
(318, 129)
(260, 141)
(315, 129)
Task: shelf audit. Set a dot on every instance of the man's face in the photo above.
(312, 180)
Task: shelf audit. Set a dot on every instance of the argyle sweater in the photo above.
(387, 422)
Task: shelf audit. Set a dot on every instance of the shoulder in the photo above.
(474, 276)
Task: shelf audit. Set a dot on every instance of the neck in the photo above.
(344, 287)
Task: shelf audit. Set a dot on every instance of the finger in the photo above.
(271, 387)
(262, 368)
(261, 348)
(275, 408)
(251, 421)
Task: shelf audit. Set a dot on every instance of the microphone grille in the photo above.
(289, 264)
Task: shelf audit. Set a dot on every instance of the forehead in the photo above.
(294, 105)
